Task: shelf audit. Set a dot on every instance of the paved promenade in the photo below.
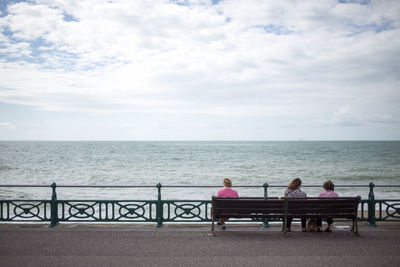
(173, 245)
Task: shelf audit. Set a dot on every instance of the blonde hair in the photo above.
(227, 182)
(294, 184)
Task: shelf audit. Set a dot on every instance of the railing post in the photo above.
(266, 220)
(371, 205)
(160, 207)
(53, 206)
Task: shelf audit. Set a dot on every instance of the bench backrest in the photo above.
(249, 207)
(343, 207)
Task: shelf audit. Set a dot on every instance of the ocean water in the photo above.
(195, 163)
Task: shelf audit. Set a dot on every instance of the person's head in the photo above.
(227, 182)
(294, 184)
(328, 185)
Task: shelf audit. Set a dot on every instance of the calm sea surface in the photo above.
(195, 163)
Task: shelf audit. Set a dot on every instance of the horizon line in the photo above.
(197, 140)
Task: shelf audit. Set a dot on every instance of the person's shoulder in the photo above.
(231, 191)
(235, 192)
(220, 192)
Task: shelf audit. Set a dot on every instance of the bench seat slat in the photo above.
(249, 208)
(229, 215)
(290, 209)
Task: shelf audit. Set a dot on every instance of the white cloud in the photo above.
(384, 119)
(236, 58)
(7, 125)
(348, 116)
(28, 21)
(345, 116)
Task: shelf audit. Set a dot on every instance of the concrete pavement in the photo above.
(185, 245)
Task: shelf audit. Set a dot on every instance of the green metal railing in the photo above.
(158, 211)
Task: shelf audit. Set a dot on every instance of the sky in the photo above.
(199, 70)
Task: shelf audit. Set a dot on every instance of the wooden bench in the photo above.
(262, 208)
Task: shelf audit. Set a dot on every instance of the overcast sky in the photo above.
(199, 70)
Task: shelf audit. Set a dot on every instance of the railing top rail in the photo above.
(23, 185)
(188, 186)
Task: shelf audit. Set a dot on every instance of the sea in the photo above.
(195, 163)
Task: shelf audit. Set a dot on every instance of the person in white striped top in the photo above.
(293, 191)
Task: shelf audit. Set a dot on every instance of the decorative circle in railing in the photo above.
(81, 211)
(187, 211)
(26, 211)
(132, 211)
(393, 211)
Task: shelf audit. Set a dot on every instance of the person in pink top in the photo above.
(329, 187)
(226, 192)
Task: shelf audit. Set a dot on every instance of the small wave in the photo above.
(6, 168)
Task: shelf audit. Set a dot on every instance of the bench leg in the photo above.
(356, 227)
(212, 223)
(352, 227)
(285, 224)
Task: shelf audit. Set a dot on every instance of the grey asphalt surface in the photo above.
(141, 245)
